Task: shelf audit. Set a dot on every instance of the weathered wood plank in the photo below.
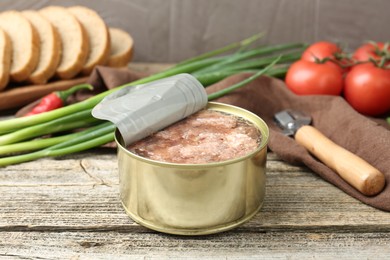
(81, 193)
(68, 208)
(229, 245)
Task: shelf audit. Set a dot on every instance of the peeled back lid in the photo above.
(141, 110)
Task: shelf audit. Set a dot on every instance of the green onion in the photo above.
(33, 145)
(22, 122)
(213, 77)
(262, 62)
(207, 68)
(51, 141)
(227, 90)
(196, 68)
(101, 140)
(242, 45)
(77, 120)
(94, 137)
(247, 55)
(104, 133)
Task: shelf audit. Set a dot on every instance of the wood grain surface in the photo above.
(69, 208)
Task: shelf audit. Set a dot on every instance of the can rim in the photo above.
(264, 130)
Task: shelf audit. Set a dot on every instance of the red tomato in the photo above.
(367, 89)
(369, 50)
(321, 50)
(310, 78)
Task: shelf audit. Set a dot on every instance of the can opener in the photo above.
(351, 168)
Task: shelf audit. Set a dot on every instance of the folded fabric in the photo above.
(366, 137)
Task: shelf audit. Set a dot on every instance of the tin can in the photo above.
(194, 199)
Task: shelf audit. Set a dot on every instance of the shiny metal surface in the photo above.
(194, 199)
(291, 120)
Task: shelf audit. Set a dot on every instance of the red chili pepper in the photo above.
(56, 99)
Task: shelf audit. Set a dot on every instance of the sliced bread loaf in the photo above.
(75, 45)
(5, 58)
(50, 53)
(99, 38)
(121, 48)
(25, 44)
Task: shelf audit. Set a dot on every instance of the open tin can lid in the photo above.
(141, 110)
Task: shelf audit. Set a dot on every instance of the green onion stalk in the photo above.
(33, 134)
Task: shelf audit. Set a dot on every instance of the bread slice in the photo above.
(5, 58)
(25, 44)
(50, 53)
(121, 48)
(75, 45)
(99, 38)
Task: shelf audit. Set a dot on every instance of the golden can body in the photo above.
(194, 199)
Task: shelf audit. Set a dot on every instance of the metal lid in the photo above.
(139, 111)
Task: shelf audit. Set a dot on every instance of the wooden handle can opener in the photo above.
(353, 169)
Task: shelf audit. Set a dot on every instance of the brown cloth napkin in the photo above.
(266, 96)
(332, 115)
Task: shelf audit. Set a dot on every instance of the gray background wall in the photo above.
(171, 30)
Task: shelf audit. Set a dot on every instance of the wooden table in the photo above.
(69, 208)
